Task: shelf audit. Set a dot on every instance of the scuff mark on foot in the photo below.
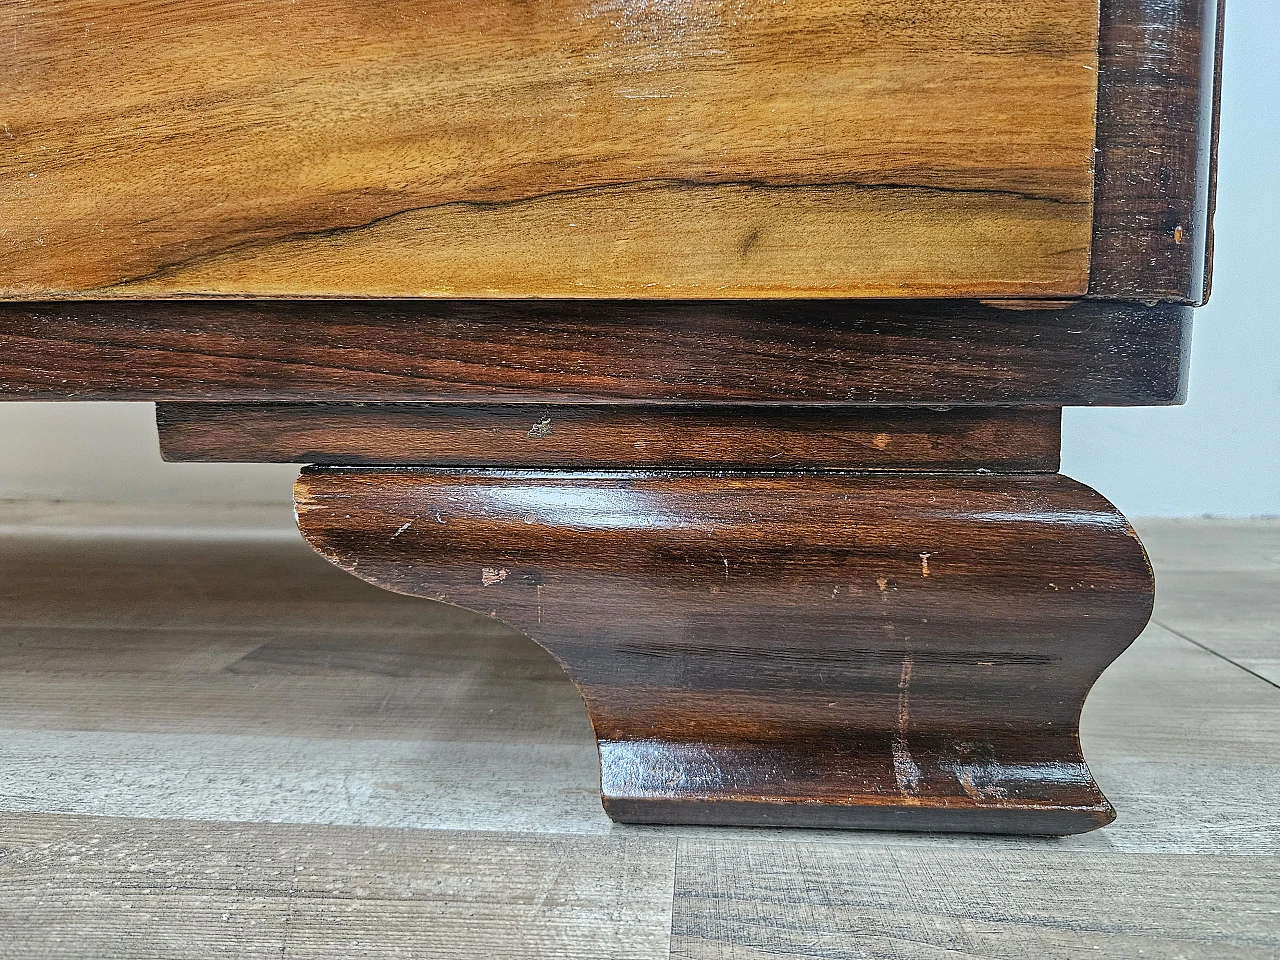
(905, 770)
(491, 575)
(980, 784)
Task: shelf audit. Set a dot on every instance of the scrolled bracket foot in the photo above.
(828, 650)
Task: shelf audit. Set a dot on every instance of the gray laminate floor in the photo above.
(214, 744)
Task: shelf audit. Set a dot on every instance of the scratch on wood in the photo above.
(491, 575)
(540, 430)
(982, 792)
(905, 770)
(403, 528)
(924, 564)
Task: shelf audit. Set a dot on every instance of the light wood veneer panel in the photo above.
(556, 148)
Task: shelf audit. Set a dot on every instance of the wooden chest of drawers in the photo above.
(719, 347)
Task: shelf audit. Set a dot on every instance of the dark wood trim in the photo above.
(605, 436)
(843, 352)
(838, 650)
(1213, 148)
(1154, 179)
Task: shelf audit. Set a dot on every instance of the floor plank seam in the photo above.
(675, 884)
(1221, 656)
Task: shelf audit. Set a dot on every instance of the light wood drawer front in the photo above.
(599, 148)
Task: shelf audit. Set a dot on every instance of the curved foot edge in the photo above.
(892, 815)
(833, 651)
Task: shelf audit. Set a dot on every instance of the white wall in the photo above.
(1219, 454)
(109, 452)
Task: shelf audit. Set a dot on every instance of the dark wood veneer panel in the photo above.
(889, 651)
(1159, 69)
(847, 352)
(589, 436)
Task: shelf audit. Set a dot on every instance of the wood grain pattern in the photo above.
(1158, 90)
(826, 650)
(562, 148)
(1181, 741)
(105, 888)
(761, 901)
(1005, 439)
(1235, 614)
(146, 674)
(1220, 589)
(122, 890)
(1214, 545)
(1184, 743)
(861, 352)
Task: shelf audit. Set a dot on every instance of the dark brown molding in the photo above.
(606, 436)
(1154, 179)
(838, 650)
(929, 352)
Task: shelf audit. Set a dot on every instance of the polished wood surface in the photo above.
(1158, 89)
(591, 436)
(230, 747)
(561, 148)
(862, 352)
(689, 250)
(810, 650)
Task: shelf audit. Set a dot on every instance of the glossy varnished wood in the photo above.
(1157, 129)
(207, 746)
(823, 650)
(922, 352)
(606, 436)
(563, 148)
